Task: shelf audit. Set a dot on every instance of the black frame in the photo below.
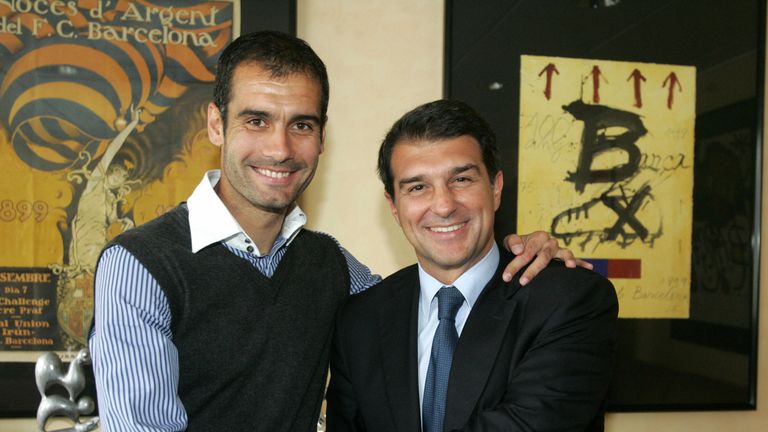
(483, 42)
(20, 397)
(277, 15)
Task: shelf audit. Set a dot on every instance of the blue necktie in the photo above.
(449, 300)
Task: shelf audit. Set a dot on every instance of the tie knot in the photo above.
(449, 300)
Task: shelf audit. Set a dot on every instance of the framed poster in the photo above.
(635, 141)
(103, 127)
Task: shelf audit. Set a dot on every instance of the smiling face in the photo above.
(445, 202)
(272, 141)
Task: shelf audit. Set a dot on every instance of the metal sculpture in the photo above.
(49, 372)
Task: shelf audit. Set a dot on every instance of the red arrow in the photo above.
(596, 74)
(549, 69)
(638, 77)
(673, 81)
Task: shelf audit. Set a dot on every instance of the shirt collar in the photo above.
(470, 283)
(211, 222)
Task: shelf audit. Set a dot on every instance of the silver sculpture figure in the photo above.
(49, 371)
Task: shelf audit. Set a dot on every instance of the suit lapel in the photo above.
(478, 345)
(398, 321)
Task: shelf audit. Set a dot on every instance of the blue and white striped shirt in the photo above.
(134, 359)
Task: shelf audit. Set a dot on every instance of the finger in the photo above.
(570, 259)
(543, 255)
(582, 263)
(541, 261)
(566, 256)
(515, 243)
(514, 266)
(549, 247)
(534, 242)
(521, 260)
(537, 245)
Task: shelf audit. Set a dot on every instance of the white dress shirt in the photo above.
(470, 284)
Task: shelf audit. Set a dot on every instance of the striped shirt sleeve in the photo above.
(134, 360)
(360, 276)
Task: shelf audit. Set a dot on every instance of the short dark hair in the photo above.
(435, 121)
(279, 53)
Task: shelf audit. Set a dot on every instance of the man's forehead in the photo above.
(435, 154)
(421, 141)
(274, 73)
(464, 143)
(256, 88)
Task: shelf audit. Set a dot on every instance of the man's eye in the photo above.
(304, 127)
(416, 188)
(462, 180)
(256, 122)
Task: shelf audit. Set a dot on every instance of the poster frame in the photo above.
(20, 397)
(474, 72)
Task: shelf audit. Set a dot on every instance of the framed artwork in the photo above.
(635, 140)
(102, 113)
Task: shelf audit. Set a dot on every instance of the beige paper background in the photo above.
(549, 149)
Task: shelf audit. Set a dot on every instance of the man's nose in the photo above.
(443, 201)
(278, 145)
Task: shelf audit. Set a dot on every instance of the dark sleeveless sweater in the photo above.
(253, 351)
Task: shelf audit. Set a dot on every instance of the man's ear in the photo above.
(498, 185)
(215, 125)
(322, 139)
(392, 207)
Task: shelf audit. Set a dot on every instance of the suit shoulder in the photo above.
(560, 283)
(390, 286)
(404, 275)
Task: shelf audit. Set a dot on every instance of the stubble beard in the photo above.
(244, 186)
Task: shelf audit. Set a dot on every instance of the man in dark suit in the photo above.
(447, 344)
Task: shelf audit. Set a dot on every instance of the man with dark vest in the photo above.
(447, 345)
(218, 315)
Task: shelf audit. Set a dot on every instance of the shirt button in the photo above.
(247, 240)
(249, 249)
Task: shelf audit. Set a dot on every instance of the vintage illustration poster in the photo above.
(102, 128)
(606, 162)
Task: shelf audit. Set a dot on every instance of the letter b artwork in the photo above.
(614, 179)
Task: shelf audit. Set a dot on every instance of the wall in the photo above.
(385, 57)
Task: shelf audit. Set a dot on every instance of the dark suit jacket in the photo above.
(533, 358)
